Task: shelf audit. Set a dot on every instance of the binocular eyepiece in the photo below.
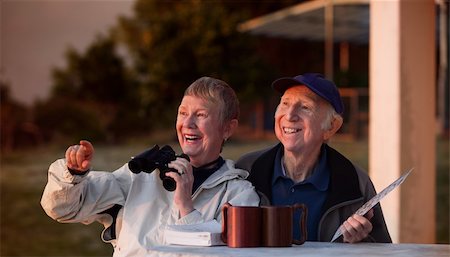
(153, 158)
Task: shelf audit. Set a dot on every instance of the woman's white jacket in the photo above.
(147, 208)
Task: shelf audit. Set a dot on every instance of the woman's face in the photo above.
(199, 130)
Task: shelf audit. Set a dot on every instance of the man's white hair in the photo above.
(331, 115)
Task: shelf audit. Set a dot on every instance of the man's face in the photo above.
(299, 118)
(199, 130)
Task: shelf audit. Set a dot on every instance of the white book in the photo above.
(201, 234)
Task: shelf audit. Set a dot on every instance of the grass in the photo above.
(27, 231)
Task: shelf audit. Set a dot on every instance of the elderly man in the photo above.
(302, 168)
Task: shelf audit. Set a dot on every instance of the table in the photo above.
(313, 249)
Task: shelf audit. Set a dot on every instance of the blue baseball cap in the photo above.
(317, 83)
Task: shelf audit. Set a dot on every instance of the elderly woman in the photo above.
(135, 208)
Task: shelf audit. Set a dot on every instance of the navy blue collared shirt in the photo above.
(311, 192)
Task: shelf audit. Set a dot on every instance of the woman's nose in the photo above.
(190, 121)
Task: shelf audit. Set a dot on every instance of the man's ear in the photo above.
(230, 127)
(336, 124)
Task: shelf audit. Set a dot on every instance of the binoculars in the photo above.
(156, 158)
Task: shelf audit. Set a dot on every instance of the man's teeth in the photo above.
(290, 130)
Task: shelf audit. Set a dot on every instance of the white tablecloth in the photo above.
(310, 249)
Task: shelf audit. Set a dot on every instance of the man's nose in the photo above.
(292, 114)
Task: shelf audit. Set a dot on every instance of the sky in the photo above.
(36, 33)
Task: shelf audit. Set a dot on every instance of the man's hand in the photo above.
(79, 157)
(357, 227)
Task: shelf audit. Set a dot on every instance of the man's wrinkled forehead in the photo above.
(301, 91)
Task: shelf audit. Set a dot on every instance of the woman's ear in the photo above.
(336, 124)
(230, 127)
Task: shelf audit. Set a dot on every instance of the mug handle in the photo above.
(302, 223)
(224, 233)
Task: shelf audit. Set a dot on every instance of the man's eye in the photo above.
(306, 108)
(201, 114)
(182, 113)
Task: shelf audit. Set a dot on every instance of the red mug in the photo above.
(278, 225)
(241, 226)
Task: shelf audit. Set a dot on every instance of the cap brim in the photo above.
(324, 91)
(280, 85)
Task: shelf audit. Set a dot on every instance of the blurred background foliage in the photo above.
(129, 80)
(125, 87)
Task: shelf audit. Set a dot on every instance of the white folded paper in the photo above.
(201, 234)
(374, 200)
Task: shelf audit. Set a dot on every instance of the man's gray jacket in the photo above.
(349, 189)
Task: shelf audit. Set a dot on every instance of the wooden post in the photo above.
(329, 24)
(402, 114)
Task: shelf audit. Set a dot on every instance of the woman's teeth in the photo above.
(191, 138)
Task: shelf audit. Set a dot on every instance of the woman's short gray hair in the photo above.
(219, 92)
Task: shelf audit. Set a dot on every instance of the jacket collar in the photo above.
(262, 171)
(319, 176)
(226, 172)
(344, 184)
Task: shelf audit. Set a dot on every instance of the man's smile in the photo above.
(288, 130)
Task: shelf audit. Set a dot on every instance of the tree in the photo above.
(172, 43)
(16, 129)
(96, 90)
(99, 74)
